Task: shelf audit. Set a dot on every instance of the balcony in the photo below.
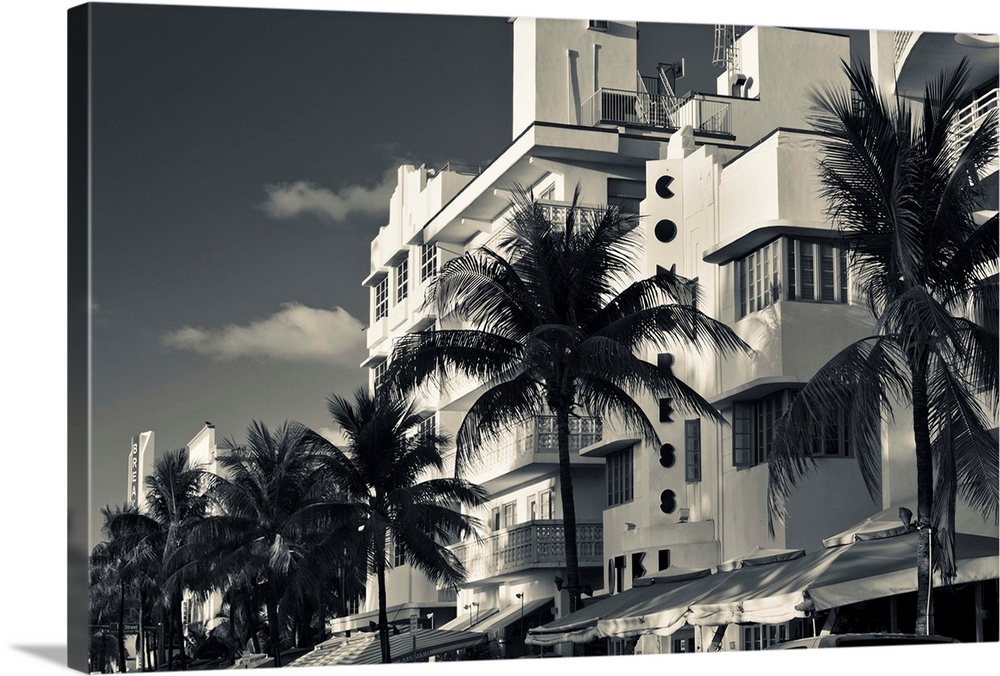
(970, 118)
(530, 450)
(658, 111)
(538, 544)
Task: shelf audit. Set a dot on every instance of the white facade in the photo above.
(718, 179)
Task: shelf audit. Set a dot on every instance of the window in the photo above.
(532, 508)
(402, 279)
(495, 518)
(545, 505)
(398, 557)
(378, 373)
(753, 427)
(753, 430)
(382, 299)
(509, 514)
(619, 470)
(427, 427)
(598, 25)
(428, 262)
(796, 269)
(692, 450)
(758, 637)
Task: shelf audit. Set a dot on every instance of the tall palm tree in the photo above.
(112, 575)
(557, 321)
(902, 193)
(392, 474)
(176, 502)
(272, 493)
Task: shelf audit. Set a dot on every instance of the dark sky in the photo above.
(240, 173)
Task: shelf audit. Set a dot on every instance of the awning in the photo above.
(407, 647)
(665, 614)
(463, 621)
(836, 576)
(581, 626)
(510, 614)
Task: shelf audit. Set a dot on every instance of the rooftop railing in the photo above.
(659, 111)
(536, 544)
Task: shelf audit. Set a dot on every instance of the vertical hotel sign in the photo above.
(133, 473)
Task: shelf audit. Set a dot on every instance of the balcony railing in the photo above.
(662, 111)
(537, 435)
(900, 40)
(971, 117)
(537, 544)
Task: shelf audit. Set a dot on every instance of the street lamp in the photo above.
(520, 595)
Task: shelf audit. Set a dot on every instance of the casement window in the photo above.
(382, 299)
(509, 512)
(791, 269)
(495, 518)
(753, 427)
(402, 280)
(545, 504)
(753, 430)
(619, 472)
(428, 262)
(398, 557)
(692, 450)
(378, 373)
(427, 427)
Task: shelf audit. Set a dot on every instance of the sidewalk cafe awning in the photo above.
(837, 575)
(581, 626)
(463, 620)
(510, 615)
(405, 647)
(666, 614)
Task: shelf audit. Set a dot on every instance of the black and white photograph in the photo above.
(432, 335)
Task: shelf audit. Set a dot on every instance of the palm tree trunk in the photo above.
(569, 507)
(178, 624)
(383, 616)
(925, 500)
(273, 622)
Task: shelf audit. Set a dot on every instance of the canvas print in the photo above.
(421, 338)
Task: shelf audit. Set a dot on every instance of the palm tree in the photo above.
(272, 495)
(392, 475)
(902, 194)
(176, 502)
(558, 322)
(112, 573)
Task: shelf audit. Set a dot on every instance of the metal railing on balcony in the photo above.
(537, 435)
(662, 111)
(900, 40)
(530, 545)
(971, 117)
(463, 168)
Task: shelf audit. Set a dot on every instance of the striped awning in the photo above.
(405, 647)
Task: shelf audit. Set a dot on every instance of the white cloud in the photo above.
(288, 200)
(294, 333)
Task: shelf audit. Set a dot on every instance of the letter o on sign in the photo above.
(668, 501)
(665, 230)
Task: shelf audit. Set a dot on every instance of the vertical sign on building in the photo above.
(133, 473)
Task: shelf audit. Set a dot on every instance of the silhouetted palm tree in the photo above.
(392, 475)
(271, 498)
(903, 193)
(557, 320)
